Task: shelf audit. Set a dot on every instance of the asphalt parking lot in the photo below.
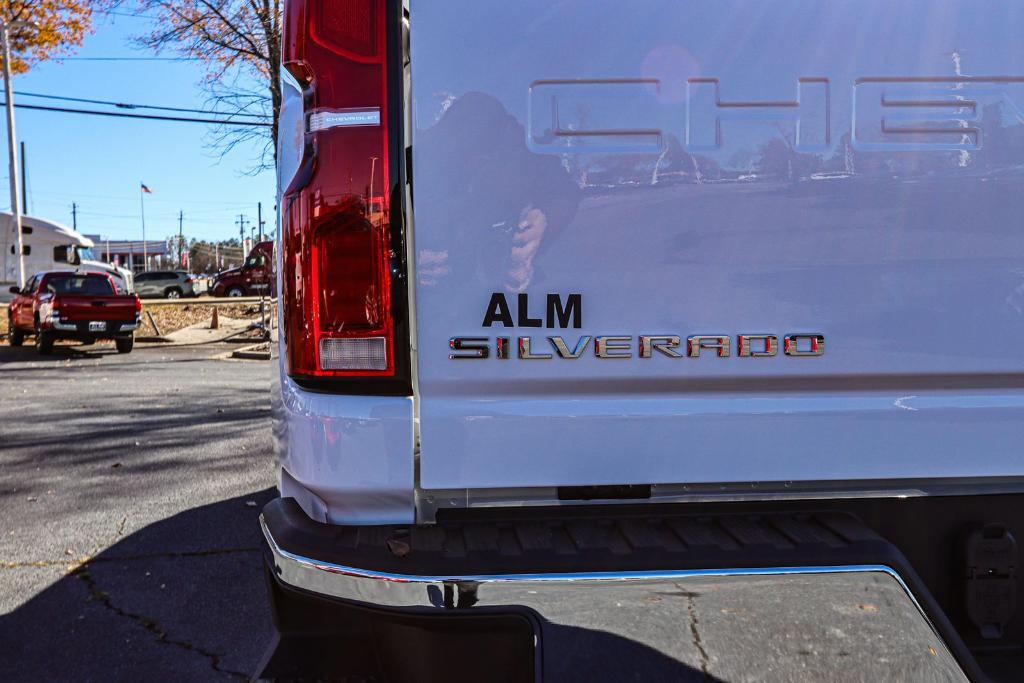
(129, 547)
(131, 486)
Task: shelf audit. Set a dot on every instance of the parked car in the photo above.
(165, 284)
(252, 279)
(73, 305)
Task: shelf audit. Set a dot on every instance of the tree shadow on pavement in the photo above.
(183, 598)
(27, 352)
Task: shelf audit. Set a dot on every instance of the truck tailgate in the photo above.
(723, 169)
(92, 307)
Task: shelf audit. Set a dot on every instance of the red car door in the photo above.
(260, 274)
(256, 272)
(21, 306)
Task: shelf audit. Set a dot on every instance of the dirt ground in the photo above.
(172, 318)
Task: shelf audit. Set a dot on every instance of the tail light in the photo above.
(338, 257)
(138, 305)
(189, 280)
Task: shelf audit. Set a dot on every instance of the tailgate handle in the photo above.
(99, 303)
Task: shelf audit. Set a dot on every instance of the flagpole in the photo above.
(142, 214)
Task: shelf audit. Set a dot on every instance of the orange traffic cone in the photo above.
(215, 320)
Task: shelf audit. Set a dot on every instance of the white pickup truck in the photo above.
(649, 340)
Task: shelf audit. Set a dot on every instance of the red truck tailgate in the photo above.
(92, 307)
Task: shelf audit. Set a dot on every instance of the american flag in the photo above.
(145, 189)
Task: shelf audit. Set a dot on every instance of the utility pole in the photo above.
(241, 233)
(5, 38)
(142, 215)
(24, 180)
(181, 238)
(263, 307)
(74, 216)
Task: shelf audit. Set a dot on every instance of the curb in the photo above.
(249, 353)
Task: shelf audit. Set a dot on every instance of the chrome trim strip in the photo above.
(73, 327)
(673, 574)
(432, 500)
(539, 592)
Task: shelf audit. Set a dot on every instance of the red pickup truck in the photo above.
(73, 305)
(252, 279)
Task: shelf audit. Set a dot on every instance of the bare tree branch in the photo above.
(240, 43)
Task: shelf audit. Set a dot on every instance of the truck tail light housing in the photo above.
(342, 259)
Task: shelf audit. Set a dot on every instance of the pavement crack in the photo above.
(92, 559)
(186, 553)
(705, 661)
(97, 594)
(37, 563)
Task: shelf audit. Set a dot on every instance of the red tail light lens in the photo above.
(336, 253)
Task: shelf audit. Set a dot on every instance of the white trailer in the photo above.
(49, 245)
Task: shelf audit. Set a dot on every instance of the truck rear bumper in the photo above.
(655, 596)
(111, 328)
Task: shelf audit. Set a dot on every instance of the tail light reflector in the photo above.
(336, 252)
(365, 353)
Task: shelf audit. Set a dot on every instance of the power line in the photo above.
(153, 117)
(228, 212)
(227, 208)
(129, 59)
(125, 14)
(158, 216)
(129, 105)
(135, 198)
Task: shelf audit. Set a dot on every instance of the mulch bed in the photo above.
(173, 318)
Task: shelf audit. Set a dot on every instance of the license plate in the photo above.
(97, 326)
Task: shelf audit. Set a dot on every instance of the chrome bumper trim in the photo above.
(293, 567)
(73, 327)
(612, 601)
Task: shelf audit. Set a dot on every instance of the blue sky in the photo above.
(98, 162)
